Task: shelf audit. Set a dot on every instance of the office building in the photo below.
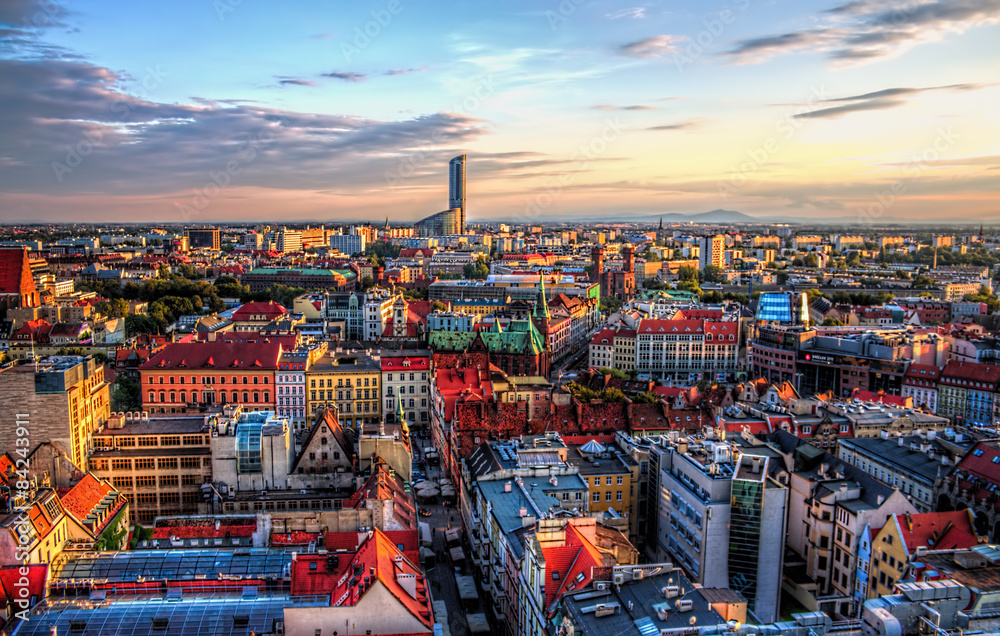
(203, 238)
(62, 400)
(456, 187)
(348, 243)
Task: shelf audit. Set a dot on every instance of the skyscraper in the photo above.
(456, 188)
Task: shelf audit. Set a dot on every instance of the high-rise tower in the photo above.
(456, 188)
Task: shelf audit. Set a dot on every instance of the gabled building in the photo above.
(98, 514)
(377, 589)
(326, 455)
(900, 542)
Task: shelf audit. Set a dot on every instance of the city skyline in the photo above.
(819, 110)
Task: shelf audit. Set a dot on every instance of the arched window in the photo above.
(256, 396)
(173, 397)
(246, 397)
(162, 399)
(152, 397)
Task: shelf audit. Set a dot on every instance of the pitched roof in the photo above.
(260, 356)
(380, 559)
(573, 562)
(937, 530)
(84, 498)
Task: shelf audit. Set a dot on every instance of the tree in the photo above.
(713, 274)
(137, 323)
(614, 373)
(437, 305)
(687, 272)
(646, 398)
(610, 304)
(476, 271)
(114, 308)
(367, 283)
(832, 322)
(125, 395)
(810, 260)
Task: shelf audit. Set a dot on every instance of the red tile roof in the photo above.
(83, 498)
(576, 556)
(259, 356)
(937, 530)
(270, 310)
(416, 363)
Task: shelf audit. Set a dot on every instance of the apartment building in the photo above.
(406, 382)
(687, 350)
(350, 382)
(290, 382)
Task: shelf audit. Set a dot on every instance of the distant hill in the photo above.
(715, 216)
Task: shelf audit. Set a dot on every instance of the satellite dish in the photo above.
(693, 620)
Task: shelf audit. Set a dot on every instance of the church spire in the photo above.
(541, 304)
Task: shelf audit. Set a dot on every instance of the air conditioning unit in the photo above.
(685, 605)
(671, 591)
(619, 578)
(637, 574)
(601, 586)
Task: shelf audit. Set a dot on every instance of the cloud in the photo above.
(864, 30)
(405, 71)
(131, 145)
(635, 13)
(346, 76)
(878, 100)
(652, 47)
(633, 107)
(683, 125)
(284, 80)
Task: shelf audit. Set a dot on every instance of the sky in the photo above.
(204, 111)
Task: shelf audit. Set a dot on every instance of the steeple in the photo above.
(661, 223)
(541, 304)
(496, 324)
(400, 416)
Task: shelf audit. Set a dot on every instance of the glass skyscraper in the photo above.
(456, 188)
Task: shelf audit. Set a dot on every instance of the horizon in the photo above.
(840, 113)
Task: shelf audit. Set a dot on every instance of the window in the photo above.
(597, 497)
(619, 495)
(145, 481)
(145, 463)
(608, 481)
(619, 480)
(168, 480)
(166, 462)
(607, 496)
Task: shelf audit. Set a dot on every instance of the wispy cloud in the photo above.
(652, 47)
(346, 76)
(634, 13)
(284, 80)
(864, 30)
(878, 100)
(405, 71)
(633, 107)
(683, 125)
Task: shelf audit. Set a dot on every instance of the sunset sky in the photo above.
(245, 110)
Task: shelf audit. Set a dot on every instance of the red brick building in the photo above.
(192, 375)
(17, 286)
